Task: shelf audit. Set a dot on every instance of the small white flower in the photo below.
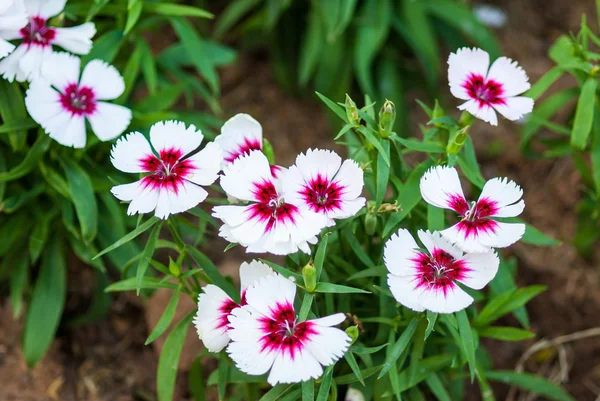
(240, 135)
(477, 231)
(265, 335)
(62, 101)
(215, 306)
(37, 38)
(427, 281)
(13, 17)
(488, 91)
(268, 223)
(492, 16)
(174, 181)
(320, 182)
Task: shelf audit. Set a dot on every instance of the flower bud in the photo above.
(268, 151)
(352, 331)
(174, 268)
(309, 274)
(457, 140)
(387, 117)
(370, 223)
(352, 112)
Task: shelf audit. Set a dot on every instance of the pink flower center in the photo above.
(486, 92)
(37, 33)
(271, 207)
(322, 195)
(226, 307)
(439, 271)
(168, 170)
(78, 100)
(244, 149)
(282, 333)
(475, 219)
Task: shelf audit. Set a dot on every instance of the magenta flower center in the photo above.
(282, 333)
(78, 100)
(37, 33)
(439, 271)
(322, 195)
(271, 207)
(486, 92)
(168, 171)
(475, 219)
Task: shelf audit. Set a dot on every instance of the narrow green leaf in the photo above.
(233, 13)
(160, 101)
(17, 125)
(419, 146)
(39, 236)
(351, 378)
(323, 394)
(383, 174)
(545, 82)
(147, 255)
(595, 155)
(47, 303)
(131, 72)
(177, 10)
(168, 362)
(19, 279)
(308, 390)
(506, 303)
(431, 319)
(354, 366)
(506, 333)
(337, 109)
(437, 387)
(283, 271)
(133, 234)
(134, 11)
(531, 383)
(584, 114)
(320, 255)
(165, 319)
(399, 346)
(81, 191)
(276, 392)
(312, 45)
(376, 271)
(12, 109)
(105, 48)
(375, 141)
(305, 308)
(32, 158)
(534, 236)
(357, 248)
(213, 273)
(338, 289)
(131, 284)
(466, 335)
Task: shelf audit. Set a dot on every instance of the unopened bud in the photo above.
(370, 223)
(352, 112)
(352, 331)
(174, 268)
(268, 151)
(387, 117)
(457, 140)
(309, 274)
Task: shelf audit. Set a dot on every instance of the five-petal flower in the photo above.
(61, 101)
(266, 335)
(174, 179)
(427, 281)
(487, 91)
(477, 231)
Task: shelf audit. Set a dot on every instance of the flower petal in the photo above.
(173, 134)
(61, 70)
(5, 48)
(434, 241)
(514, 108)
(128, 152)
(207, 164)
(43, 102)
(212, 321)
(350, 177)
(241, 176)
(44, 8)
(143, 198)
(329, 343)
(405, 291)
(301, 367)
(67, 129)
(481, 268)
(505, 196)
(467, 242)
(31, 61)
(186, 196)
(505, 235)
(251, 273)
(451, 299)
(9, 66)
(513, 78)
(270, 291)
(319, 162)
(76, 39)
(240, 135)
(440, 186)
(108, 120)
(463, 63)
(104, 79)
(239, 227)
(482, 111)
(399, 252)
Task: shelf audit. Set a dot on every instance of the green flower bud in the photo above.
(352, 112)
(268, 151)
(370, 223)
(457, 140)
(174, 268)
(352, 331)
(387, 117)
(309, 274)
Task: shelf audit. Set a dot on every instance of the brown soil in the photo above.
(107, 360)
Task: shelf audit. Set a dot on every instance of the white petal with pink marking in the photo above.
(128, 151)
(251, 273)
(239, 135)
(514, 108)
(240, 177)
(211, 320)
(207, 164)
(108, 120)
(165, 135)
(104, 79)
(482, 269)
(463, 63)
(398, 253)
(506, 195)
(485, 112)
(44, 8)
(440, 186)
(318, 162)
(76, 39)
(61, 69)
(512, 76)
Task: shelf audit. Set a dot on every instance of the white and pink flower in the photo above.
(488, 89)
(215, 306)
(477, 231)
(266, 335)
(61, 101)
(13, 17)
(269, 223)
(320, 182)
(174, 179)
(240, 135)
(428, 280)
(38, 38)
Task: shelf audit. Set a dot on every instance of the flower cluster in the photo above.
(463, 253)
(60, 97)
(263, 331)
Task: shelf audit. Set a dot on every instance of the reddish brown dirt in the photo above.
(107, 360)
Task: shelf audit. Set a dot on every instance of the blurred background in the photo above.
(275, 55)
